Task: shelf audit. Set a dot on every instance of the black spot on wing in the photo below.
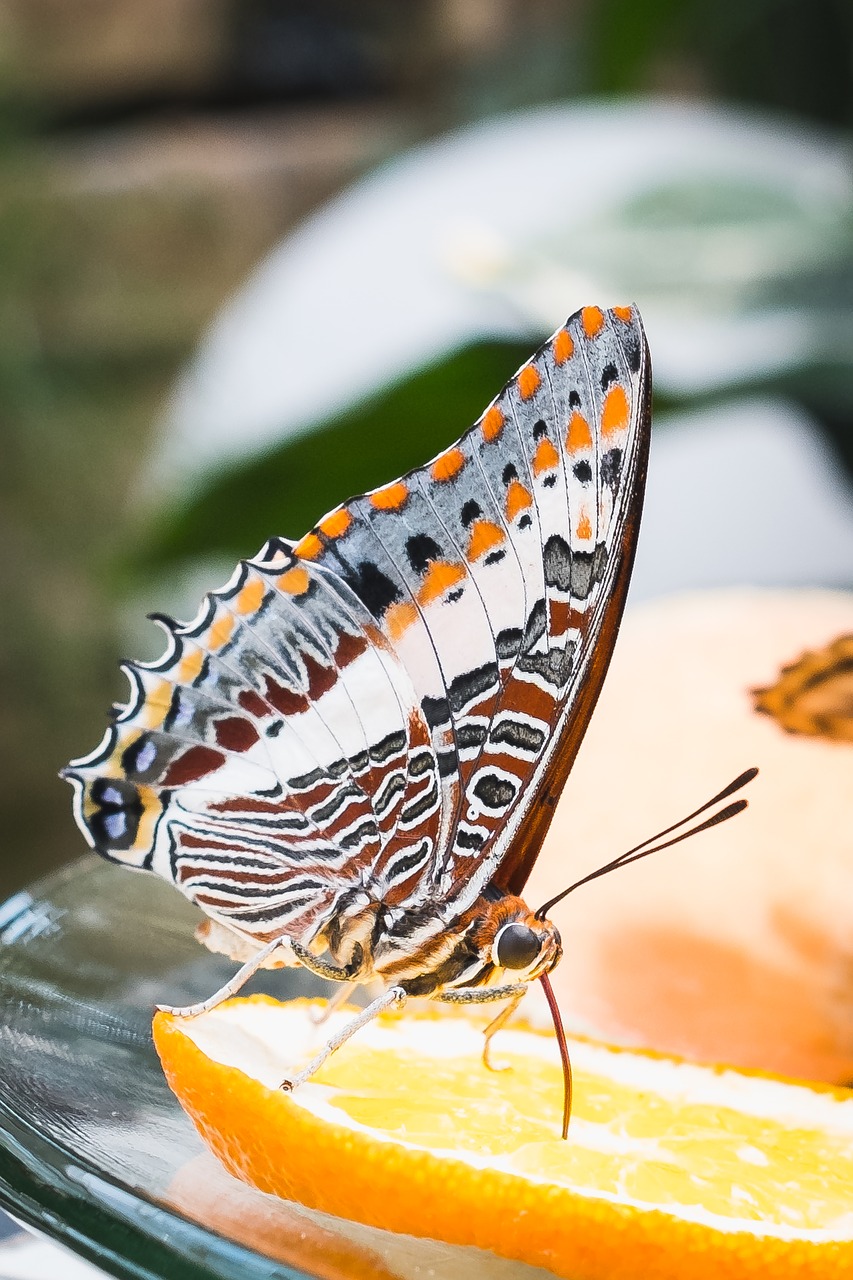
(609, 375)
(419, 807)
(471, 511)
(392, 745)
(470, 735)
(536, 624)
(471, 685)
(143, 761)
(436, 712)
(582, 471)
(421, 763)
(519, 735)
(421, 549)
(587, 570)
(375, 589)
(493, 791)
(633, 350)
(115, 821)
(508, 642)
(403, 865)
(554, 667)
(611, 467)
(557, 563)
(448, 764)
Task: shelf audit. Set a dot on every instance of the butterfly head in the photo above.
(524, 946)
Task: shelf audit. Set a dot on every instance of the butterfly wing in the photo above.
(499, 573)
(273, 759)
(582, 412)
(388, 710)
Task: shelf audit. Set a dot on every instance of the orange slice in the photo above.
(670, 1170)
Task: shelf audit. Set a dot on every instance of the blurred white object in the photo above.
(743, 494)
(28, 1257)
(501, 229)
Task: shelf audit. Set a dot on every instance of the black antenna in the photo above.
(640, 850)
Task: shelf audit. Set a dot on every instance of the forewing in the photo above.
(498, 572)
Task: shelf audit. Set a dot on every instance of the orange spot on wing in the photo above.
(391, 498)
(440, 576)
(614, 416)
(528, 381)
(157, 703)
(447, 465)
(190, 666)
(545, 457)
(492, 424)
(564, 348)
(517, 499)
(484, 536)
(398, 618)
(220, 631)
(623, 313)
(584, 528)
(309, 548)
(250, 597)
(152, 807)
(578, 435)
(592, 319)
(295, 582)
(335, 523)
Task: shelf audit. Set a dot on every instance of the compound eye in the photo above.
(517, 946)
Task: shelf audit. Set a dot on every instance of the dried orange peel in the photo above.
(671, 1169)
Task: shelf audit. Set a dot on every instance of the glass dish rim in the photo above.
(58, 1196)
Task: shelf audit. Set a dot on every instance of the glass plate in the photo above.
(94, 1149)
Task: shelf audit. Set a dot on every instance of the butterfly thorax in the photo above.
(498, 939)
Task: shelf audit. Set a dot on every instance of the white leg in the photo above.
(394, 996)
(340, 997)
(241, 977)
(494, 1026)
(512, 993)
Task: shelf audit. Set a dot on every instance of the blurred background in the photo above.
(491, 165)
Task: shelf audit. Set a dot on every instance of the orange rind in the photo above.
(671, 1169)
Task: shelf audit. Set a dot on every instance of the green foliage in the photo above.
(773, 53)
(286, 490)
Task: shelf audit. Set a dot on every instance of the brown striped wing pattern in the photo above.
(387, 710)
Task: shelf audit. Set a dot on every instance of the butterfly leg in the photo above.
(322, 968)
(394, 996)
(333, 973)
(343, 993)
(232, 986)
(494, 1026)
(512, 993)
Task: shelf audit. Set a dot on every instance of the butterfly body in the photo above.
(351, 756)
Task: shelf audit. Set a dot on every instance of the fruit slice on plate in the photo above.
(670, 1170)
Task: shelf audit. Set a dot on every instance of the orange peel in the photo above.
(671, 1169)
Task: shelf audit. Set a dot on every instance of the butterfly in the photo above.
(350, 758)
